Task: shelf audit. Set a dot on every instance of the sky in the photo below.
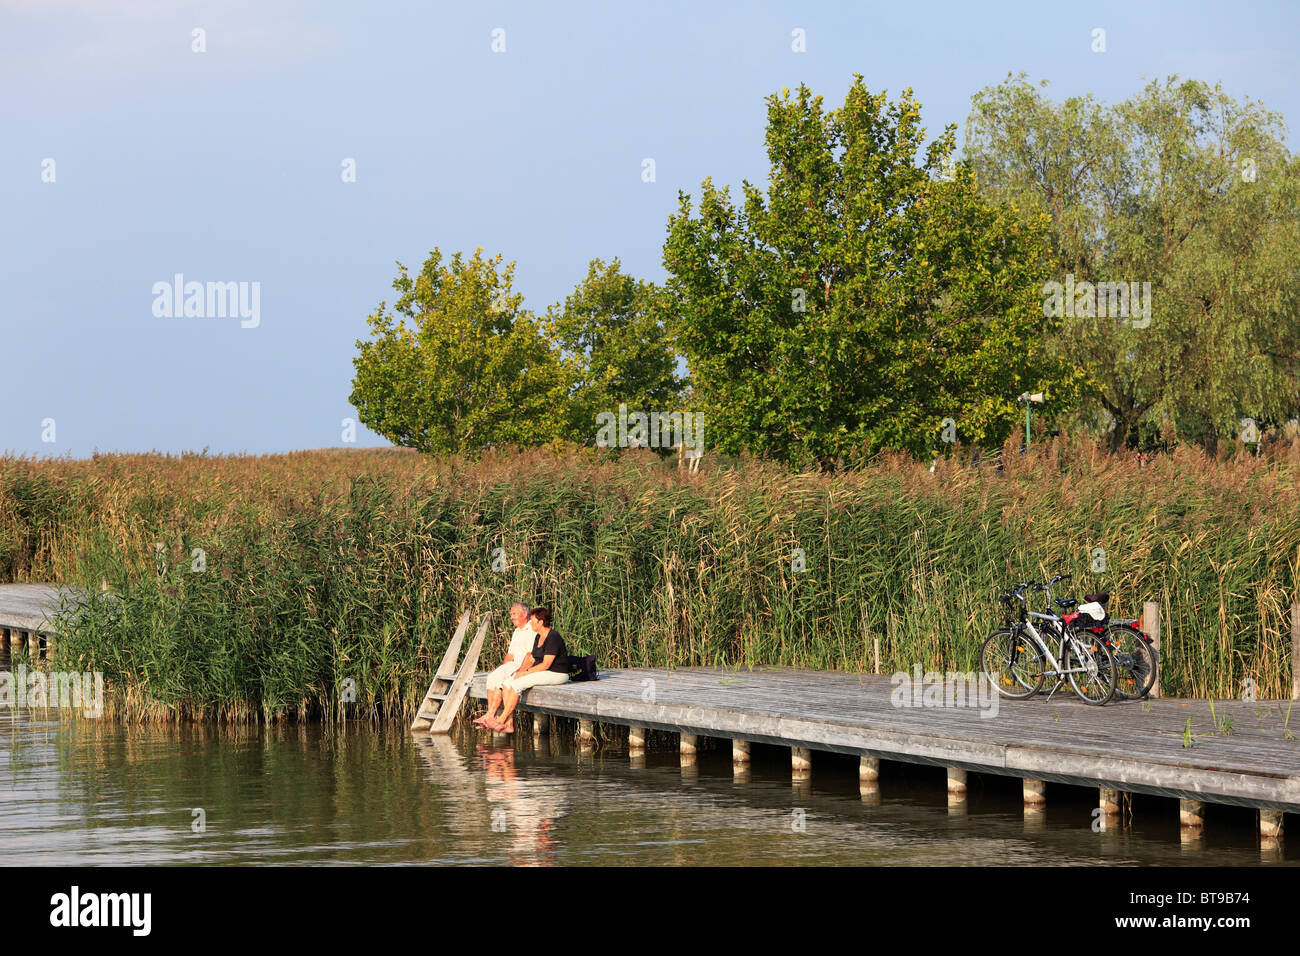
(135, 149)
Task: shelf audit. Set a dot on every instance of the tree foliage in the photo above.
(867, 297)
(1180, 186)
(458, 364)
(613, 348)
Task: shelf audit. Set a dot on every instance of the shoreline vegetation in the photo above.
(327, 583)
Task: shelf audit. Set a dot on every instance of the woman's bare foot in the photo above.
(484, 721)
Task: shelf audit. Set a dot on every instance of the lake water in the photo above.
(92, 792)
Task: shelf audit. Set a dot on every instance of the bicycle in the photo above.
(1135, 657)
(1015, 657)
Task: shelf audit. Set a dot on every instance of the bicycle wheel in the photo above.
(1012, 663)
(1135, 660)
(1091, 668)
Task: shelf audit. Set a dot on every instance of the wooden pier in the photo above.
(25, 618)
(1244, 753)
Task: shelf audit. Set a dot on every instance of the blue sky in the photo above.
(225, 165)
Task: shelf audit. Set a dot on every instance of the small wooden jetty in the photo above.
(1242, 753)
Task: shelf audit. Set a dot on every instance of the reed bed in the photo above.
(334, 578)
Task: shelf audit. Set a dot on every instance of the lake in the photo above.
(92, 792)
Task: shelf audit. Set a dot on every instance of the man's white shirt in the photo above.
(521, 643)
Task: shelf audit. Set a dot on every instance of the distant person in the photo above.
(548, 664)
(518, 654)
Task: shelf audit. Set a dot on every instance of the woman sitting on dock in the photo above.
(549, 665)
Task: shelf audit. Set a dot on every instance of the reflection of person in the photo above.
(549, 665)
(524, 806)
(521, 646)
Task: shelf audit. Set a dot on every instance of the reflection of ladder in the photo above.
(442, 702)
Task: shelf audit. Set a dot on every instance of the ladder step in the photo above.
(435, 696)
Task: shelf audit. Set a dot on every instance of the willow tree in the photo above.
(870, 299)
(1180, 186)
(458, 364)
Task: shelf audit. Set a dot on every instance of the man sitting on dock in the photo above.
(548, 664)
(518, 656)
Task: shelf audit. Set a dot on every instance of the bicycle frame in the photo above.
(1060, 630)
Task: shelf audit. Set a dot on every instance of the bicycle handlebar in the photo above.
(1017, 593)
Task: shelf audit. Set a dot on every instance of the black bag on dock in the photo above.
(582, 668)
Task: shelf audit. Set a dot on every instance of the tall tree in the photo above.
(458, 364)
(871, 299)
(614, 348)
(1185, 188)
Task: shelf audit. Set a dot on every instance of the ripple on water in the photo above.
(91, 792)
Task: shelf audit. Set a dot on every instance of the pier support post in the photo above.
(1270, 824)
(686, 745)
(1295, 651)
(1151, 625)
(1108, 802)
(800, 761)
(740, 753)
(635, 741)
(956, 782)
(586, 734)
(956, 792)
(1191, 813)
(868, 770)
(33, 645)
(1035, 794)
(541, 725)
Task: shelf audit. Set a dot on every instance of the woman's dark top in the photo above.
(554, 644)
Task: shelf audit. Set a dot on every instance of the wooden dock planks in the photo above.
(29, 607)
(1133, 746)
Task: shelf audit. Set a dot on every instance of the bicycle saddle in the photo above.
(1066, 603)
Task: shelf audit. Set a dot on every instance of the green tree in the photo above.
(614, 348)
(1185, 188)
(864, 300)
(458, 364)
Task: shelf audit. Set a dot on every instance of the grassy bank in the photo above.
(336, 569)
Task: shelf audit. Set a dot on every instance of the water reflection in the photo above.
(94, 792)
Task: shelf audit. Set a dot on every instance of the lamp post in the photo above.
(1026, 398)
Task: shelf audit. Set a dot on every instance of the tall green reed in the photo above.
(333, 579)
